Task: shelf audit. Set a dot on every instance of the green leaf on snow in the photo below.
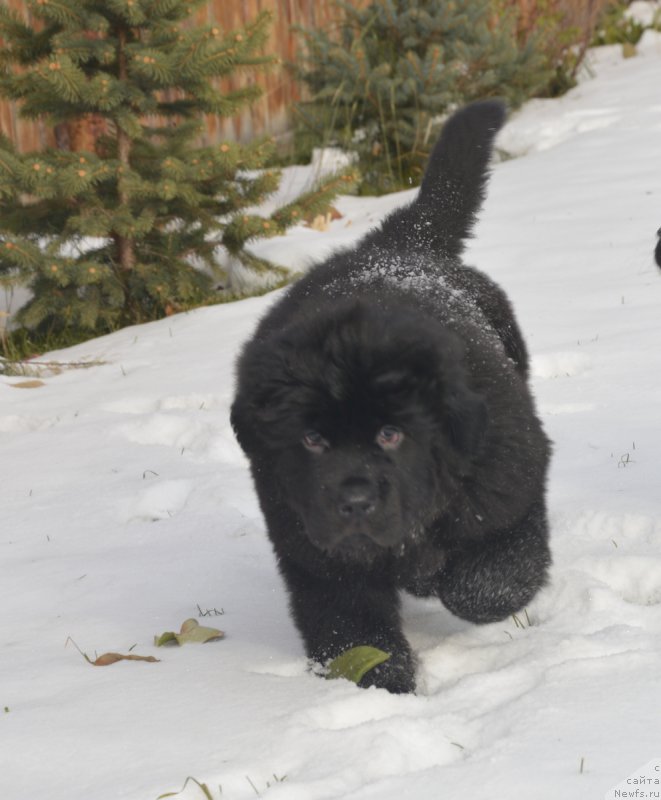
(355, 663)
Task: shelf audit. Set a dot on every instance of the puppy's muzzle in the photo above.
(357, 499)
(363, 516)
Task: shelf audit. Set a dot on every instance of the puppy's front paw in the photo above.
(397, 675)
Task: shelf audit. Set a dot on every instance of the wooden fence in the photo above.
(268, 115)
(271, 114)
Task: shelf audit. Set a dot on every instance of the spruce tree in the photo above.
(382, 78)
(127, 232)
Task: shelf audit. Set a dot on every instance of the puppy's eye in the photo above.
(389, 437)
(314, 442)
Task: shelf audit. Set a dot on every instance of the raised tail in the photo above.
(453, 188)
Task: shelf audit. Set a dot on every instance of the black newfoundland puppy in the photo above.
(384, 407)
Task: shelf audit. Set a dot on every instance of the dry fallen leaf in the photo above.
(202, 786)
(35, 384)
(110, 658)
(113, 658)
(320, 223)
(191, 631)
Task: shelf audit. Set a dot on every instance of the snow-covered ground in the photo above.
(126, 505)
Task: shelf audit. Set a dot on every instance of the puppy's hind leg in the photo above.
(499, 575)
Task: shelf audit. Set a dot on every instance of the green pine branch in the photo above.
(381, 81)
(129, 231)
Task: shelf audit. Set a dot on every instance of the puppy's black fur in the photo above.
(384, 407)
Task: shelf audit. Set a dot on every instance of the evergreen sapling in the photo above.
(383, 78)
(129, 231)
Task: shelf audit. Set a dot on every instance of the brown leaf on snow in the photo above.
(321, 222)
(110, 658)
(113, 658)
(28, 384)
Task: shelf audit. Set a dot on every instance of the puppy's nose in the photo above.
(357, 498)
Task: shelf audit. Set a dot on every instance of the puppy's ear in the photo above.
(466, 420)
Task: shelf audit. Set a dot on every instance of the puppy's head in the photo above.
(364, 419)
